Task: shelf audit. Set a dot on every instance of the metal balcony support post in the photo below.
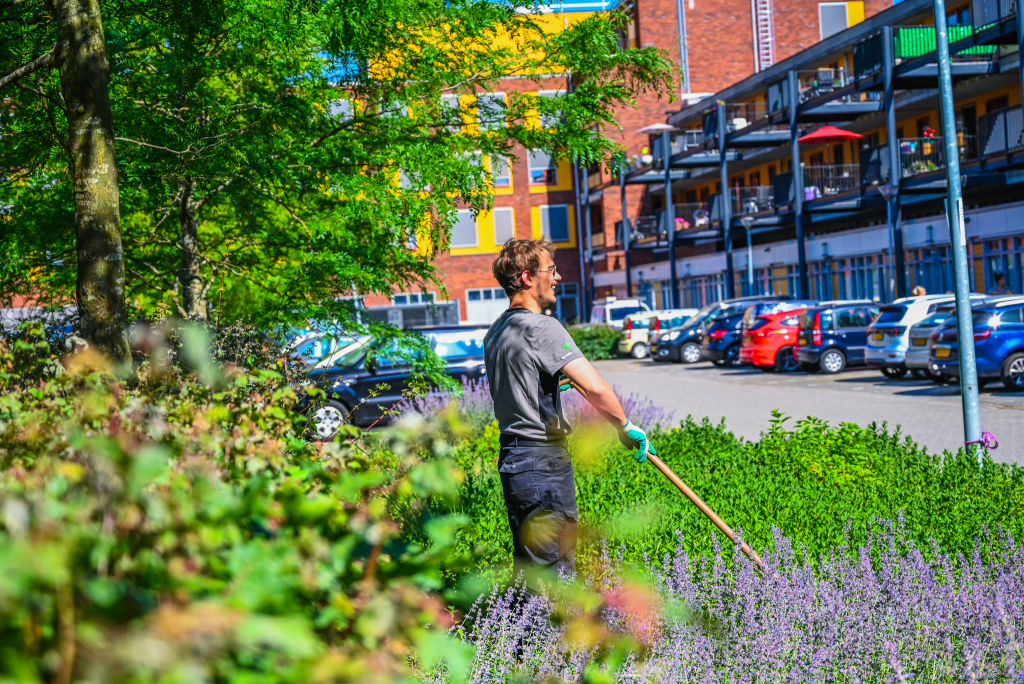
(896, 261)
(589, 234)
(798, 185)
(584, 311)
(670, 216)
(627, 229)
(725, 202)
(958, 242)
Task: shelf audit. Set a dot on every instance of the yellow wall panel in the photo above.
(854, 13)
(538, 226)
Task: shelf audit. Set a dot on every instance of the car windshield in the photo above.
(350, 356)
(891, 314)
(458, 344)
(316, 347)
(620, 312)
(698, 317)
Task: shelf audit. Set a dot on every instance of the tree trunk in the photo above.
(81, 59)
(191, 275)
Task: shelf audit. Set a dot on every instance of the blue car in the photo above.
(998, 344)
(834, 335)
(721, 342)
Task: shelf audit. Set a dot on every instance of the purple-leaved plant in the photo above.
(884, 613)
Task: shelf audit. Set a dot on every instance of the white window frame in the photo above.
(821, 23)
(497, 239)
(490, 126)
(494, 160)
(497, 294)
(544, 121)
(547, 234)
(476, 237)
(414, 298)
(453, 103)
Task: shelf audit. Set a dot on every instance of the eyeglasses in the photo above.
(553, 270)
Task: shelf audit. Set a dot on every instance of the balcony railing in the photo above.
(1001, 131)
(692, 216)
(867, 56)
(874, 166)
(910, 42)
(821, 82)
(678, 142)
(830, 179)
(921, 155)
(985, 13)
(753, 199)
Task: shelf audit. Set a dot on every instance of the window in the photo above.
(464, 230)
(501, 171)
(1012, 316)
(554, 221)
(504, 225)
(451, 110)
(543, 170)
(459, 344)
(485, 294)
(490, 111)
(412, 298)
(341, 109)
(551, 119)
(833, 18)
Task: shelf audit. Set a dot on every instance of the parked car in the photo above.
(612, 311)
(920, 340)
(721, 342)
(834, 336)
(889, 334)
(770, 306)
(639, 328)
(768, 342)
(682, 344)
(355, 372)
(998, 344)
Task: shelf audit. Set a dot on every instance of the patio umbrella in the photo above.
(829, 135)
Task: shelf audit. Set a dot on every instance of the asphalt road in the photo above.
(745, 397)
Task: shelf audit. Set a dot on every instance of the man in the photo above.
(1000, 288)
(525, 352)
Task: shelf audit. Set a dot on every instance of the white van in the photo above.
(611, 311)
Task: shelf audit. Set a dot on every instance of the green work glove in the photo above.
(633, 437)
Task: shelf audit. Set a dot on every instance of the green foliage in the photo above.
(821, 486)
(276, 158)
(182, 530)
(596, 341)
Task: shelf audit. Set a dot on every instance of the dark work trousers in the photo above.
(540, 494)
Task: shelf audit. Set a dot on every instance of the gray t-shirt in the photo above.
(524, 352)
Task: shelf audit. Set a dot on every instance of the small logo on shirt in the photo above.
(566, 346)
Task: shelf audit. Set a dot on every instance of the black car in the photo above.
(834, 336)
(721, 343)
(682, 344)
(352, 374)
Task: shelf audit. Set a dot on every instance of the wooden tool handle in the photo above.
(705, 509)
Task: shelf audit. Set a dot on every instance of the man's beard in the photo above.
(548, 298)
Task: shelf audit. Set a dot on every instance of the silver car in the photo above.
(889, 334)
(919, 340)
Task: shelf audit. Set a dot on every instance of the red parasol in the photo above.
(828, 135)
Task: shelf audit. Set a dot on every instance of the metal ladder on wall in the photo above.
(764, 37)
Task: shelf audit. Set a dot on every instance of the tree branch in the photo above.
(41, 62)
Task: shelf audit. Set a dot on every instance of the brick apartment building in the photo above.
(715, 43)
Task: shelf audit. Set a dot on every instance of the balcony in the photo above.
(874, 166)
(910, 42)
(830, 179)
(1001, 131)
(814, 84)
(678, 142)
(867, 56)
(753, 199)
(987, 13)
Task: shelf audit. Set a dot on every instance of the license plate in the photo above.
(878, 337)
(747, 339)
(920, 342)
(802, 341)
(942, 352)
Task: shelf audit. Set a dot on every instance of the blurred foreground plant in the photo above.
(182, 530)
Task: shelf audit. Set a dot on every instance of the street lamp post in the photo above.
(890, 193)
(958, 241)
(747, 222)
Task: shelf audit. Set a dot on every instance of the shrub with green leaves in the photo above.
(821, 485)
(183, 530)
(596, 341)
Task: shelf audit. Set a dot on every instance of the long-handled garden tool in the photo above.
(692, 496)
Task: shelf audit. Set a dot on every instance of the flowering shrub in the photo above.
(180, 529)
(884, 612)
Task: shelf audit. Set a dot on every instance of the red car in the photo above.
(768, 342)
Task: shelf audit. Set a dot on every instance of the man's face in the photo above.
(545, 279)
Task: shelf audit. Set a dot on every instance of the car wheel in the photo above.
(832, 361)
(732, 356)
(919, 373)
(785, 362)
(809, 367)
(639, 351)
(1012, 373)
(894, 372)
(690, 353)
(328, 419)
